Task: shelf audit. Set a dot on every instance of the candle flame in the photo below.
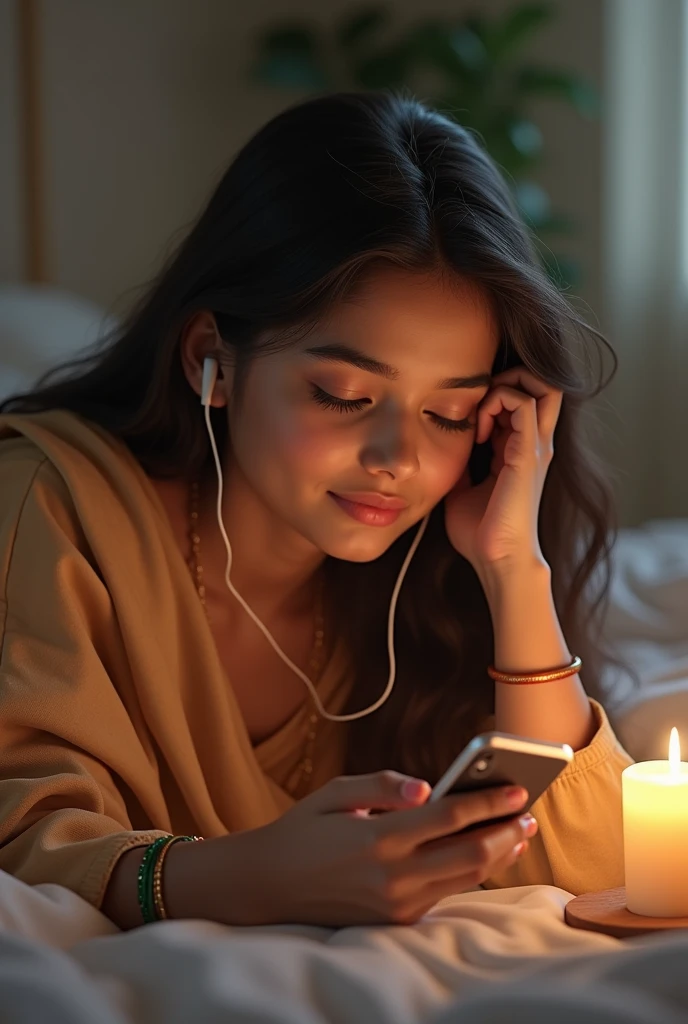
(674, 752)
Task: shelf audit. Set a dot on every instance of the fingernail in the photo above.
(528, 823)
(516, 796)
(518, 849)
(413, 789)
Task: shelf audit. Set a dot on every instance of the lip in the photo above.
(372, 498)
(369, 515)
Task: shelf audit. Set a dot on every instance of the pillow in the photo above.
(40, 327)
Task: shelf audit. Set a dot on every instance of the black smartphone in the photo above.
(501, 759)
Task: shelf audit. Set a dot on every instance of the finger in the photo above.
(385, 789)
(411, 828)
(500, 436)
(471, 851)
(549, 399)
(522, 415)
(433, 892)
(523, 377)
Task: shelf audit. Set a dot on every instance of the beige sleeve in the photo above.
(65, 733)
(579, 844)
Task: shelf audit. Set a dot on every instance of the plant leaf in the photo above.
(534, 80)
(358, 26)
(532, 201)
(430, 43)
(288, 56)
(525, 137)
(517, 27)
(386, 69)
(476, 24)
(557, 224)
(290, 71)
(469, 48)
(289, 37)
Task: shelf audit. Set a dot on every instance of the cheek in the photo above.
(443, 469)
(295, 445)
(315, 450)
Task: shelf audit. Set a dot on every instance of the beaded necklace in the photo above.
(299, 782)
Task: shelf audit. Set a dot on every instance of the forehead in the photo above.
(411, 319)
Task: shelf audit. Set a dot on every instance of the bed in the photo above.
(489, 956)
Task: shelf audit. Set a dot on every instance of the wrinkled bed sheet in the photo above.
(495, 956)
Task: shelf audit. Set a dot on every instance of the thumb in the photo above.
(386, 789)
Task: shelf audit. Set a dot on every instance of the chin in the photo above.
(358, 549)
(359, 556)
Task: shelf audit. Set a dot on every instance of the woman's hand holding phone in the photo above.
(327, 862)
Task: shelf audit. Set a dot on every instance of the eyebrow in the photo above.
(338, 353)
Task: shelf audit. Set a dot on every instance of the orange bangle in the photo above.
(547, 676)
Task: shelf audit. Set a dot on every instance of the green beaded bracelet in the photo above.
(146, 876)
(145, 879)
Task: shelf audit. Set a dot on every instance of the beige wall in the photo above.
(11, 248)
(145, 101)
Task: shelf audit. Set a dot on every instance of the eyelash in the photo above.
(329, 401)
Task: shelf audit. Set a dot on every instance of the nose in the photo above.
(390, 446)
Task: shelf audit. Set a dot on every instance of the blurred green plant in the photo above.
(470, 69)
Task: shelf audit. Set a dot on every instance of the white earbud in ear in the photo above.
(209, 379)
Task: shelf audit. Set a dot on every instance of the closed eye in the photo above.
(329, 401)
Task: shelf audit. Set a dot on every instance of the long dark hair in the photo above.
(323, 193)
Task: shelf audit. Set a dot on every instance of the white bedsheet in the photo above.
(481, 957)
(648, 620)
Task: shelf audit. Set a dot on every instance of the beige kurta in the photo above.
(117, 721)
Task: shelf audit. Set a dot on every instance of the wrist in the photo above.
(527, 633)
(514, 580)
(189, 881)
(218, 880)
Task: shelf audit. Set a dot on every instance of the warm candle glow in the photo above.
(655, 823)
(674, 752)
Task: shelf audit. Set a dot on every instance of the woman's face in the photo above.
(378, 401)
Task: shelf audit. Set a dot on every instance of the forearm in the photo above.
(528, 638)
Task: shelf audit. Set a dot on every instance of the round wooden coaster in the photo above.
(606, 912)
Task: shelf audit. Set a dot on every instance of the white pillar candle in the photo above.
(655, 826)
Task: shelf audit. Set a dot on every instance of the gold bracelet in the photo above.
(547, 676)
(157, 873)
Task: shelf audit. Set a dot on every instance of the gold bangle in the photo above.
(157, 873)
(548, 676)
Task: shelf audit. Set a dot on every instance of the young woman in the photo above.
(388, 349)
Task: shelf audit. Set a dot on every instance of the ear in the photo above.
(200, 338)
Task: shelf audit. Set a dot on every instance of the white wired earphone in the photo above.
(210, 370)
